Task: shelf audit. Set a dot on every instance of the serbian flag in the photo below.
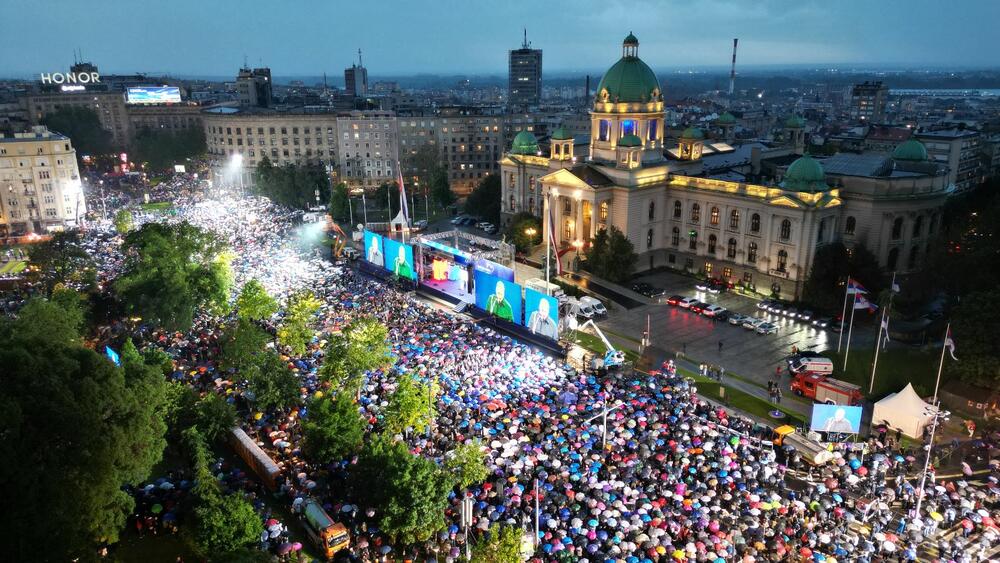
(854, 287)
(949, 343)
(861, 303)
(552, 241)
(402, 194)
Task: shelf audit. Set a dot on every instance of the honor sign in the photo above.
(70, 78)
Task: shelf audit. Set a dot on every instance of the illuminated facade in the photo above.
(40, 188)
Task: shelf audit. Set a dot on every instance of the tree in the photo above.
(158, 359)
(333, 430)
(360, 347)
(424, 162)
(467, 463)
(389, 193)
(409, 493)
(484, 201)
(974, 326)
(48, 320)
(295, 331)
(171, 270)
(254, 303)
(292, 185)
(340, 206)
(411, 405)
(440, 189)
(62, 259)
(611, 256)
(83, 126)
(76, 428)
(271, 384)
(824, 288)
(522, 224)
(502, 544)
(161, 149)
(243, 341)
(123, 221)
(215, 417)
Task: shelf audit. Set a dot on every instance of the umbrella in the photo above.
(156, 508)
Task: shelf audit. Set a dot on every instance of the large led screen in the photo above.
(153, 95)
(399, 259)
(541, 314)
(373, 249)
(836, 418)
(498, 297)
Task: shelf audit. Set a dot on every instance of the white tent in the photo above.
(905, 411)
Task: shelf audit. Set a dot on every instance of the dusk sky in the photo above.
(309, 37)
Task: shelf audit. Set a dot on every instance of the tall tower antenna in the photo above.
(359, 58)
(245, 63)
(732, 72)
(525, 44)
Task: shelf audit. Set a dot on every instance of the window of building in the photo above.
(918, 226)
(567, 207)
(890, 263)
(695, 212)
(849, 225)
(651, 131)
(711, 244)
(511, 208)
(782, 261)
(897, 228)
(649, 238)
(693, 240)
(713, 217)
(652, 210)
(603, 211)
(628, 127)
(734, 220)
(752, 253)
(933, 224)
(731, 249)
(755, 223)
(747, 277)
(675, 236)
(677, 210)
(727, 273)
(604, 130)
(708, 268)
(786, 230)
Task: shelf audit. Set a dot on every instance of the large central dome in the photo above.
(629, 80)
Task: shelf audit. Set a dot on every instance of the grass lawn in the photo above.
(740, 399)
(593, 343)
(896, 368)
(157, 206)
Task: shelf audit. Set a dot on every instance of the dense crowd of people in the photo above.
(670, 477)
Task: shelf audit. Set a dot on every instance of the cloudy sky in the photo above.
(309, 37)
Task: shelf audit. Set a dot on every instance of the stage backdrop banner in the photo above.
(492, 268)
(835, 418)
(373, 249)
(498, 297)
(399, 259)
(541, 314)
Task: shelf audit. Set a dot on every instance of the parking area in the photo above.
(743, 351)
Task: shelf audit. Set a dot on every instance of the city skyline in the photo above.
(214, 39)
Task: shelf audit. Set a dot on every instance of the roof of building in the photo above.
(794, 122)
(871, 165)
(630, 141)
(524, 143)
(888, 133)
(631, 39)
(722, 156)
(590, 175)
(806, 174)
(726, 119)
(912, 150)
(948, 133)
(692, 133)
(630, 80)
(561, 134)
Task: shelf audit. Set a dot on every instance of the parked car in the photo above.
(737, 319)
(806, 315)
(767, 328)
(674, 299)
(822, 322)
(765, 304)
(457, 220)
(722, 315)
(351, 253)
(648, 290)
(713, 311)
(595, 305)
(702, 285)
(490, 228)
(776, 308)
(751, 323)
(686, 302)
(698, 306)
(420, 225)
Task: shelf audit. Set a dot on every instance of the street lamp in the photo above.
(237, 162)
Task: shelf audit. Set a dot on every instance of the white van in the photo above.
(594, 305)
(540, 285)
(812, 364)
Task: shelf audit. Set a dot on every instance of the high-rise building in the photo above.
(43, 191)
(356, 79)
(253, 87)
(959, 150)
(868, 101)
(525, 80)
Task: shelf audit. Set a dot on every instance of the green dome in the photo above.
(630, 80)
(561, 134)
(630, 141)
(692, 133)
(795, 122)
(726, 119)
(524, 143)
(805, 175)
(912, 150)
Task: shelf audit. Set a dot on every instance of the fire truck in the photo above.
(823, 389)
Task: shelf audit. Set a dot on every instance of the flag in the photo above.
(885, 330)
(552, 241)
(402, 195)
(861, 303)
(949, 343)
(895, 287)
(854, 287)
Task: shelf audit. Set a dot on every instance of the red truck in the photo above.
(823, 389)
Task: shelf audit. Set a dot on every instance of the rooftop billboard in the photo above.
(153, 95)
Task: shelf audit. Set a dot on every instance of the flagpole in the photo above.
(548, 239)
(878, 344)
(850, 329)
(944, 345)
(843, 313)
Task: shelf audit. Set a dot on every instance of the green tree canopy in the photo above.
(361, 346)
(411, 405)
(124, 221)
(171, 270)
(974, 327)
(340, 207)
(162, 149)
(292, 185)
(242, 343)
(215, 417)
(611, 256)
(76, 429)
(271, 383)
(83, 126)
(253, 303)
(824, 288)
(295, 331)
(58, 321)
(501, 544)
(522, 224)
(467, 463)
(484, 201)
(440, 188)
(334, 428)
(61, 259)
